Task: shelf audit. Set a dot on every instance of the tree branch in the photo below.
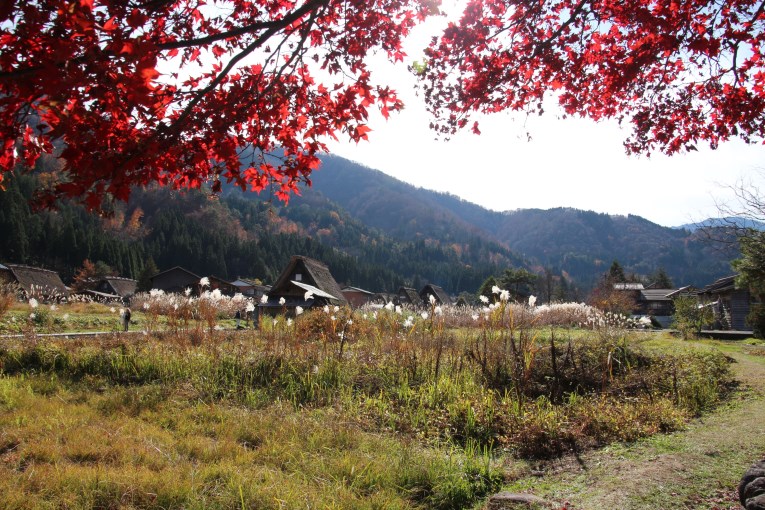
(311, 5)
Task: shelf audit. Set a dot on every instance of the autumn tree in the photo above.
(132, 92)
(680, 72)
(86, 276)
(613, 293)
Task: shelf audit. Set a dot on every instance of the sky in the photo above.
(567, 163)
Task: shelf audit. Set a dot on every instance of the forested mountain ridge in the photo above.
(580, 244)
(235, 235)
(372, 230)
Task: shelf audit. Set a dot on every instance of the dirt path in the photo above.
(697, 468)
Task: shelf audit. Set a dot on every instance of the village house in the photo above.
(408, 296)
(440, 295)
(176, 280)
(357, 297)
(34, 282)
(304, 282)
(225, 287)
(656, 303)
(251, 289)
(730, 304)
(111, 289)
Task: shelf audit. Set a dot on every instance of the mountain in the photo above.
(372, 230)
(726, 222)
(236, 235)
(580, 244)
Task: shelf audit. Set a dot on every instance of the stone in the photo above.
(756, 503)
(752, 486)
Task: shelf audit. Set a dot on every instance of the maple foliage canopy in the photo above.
(130, 92)
(680, 71)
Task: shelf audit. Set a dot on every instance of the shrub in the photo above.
(690, 316)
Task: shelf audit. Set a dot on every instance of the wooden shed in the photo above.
(34, 282)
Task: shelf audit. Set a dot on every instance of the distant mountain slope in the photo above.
(581, 243)
(727, 222)
(584, 243)
(397, 208)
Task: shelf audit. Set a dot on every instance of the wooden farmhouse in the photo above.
(656, 303)
(251, 289)
(176, 280)
(226, 288)
(122, 287)
(357, 297)
(301, 276)
(34, 282)
(442, 298)
(730, 305)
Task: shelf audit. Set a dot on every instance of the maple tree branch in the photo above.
(758, 12)
(310, 6)
(174, 128)
(573, 17)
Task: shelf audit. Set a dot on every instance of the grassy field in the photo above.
(697, 467)
(341, 410)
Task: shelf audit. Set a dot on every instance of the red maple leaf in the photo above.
(89, 70)
(678, 71)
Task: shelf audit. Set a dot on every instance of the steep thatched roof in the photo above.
(442, 298)
(312, 273)
(122, 286)
(37, 281)
(408, 296)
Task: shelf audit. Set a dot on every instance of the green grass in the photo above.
(283, 418)
(698, 467)
(86, 445)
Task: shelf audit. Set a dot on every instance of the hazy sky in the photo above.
(568, 163)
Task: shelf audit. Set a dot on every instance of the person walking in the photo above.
(126, 319)
(238, 318)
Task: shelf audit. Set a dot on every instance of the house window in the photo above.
(298, 277)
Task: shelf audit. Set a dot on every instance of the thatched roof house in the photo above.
(442, 298)
(122, 287)
(111, 289)
(300, 276)
(34, 281)
(408, 296)
(176, 280)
